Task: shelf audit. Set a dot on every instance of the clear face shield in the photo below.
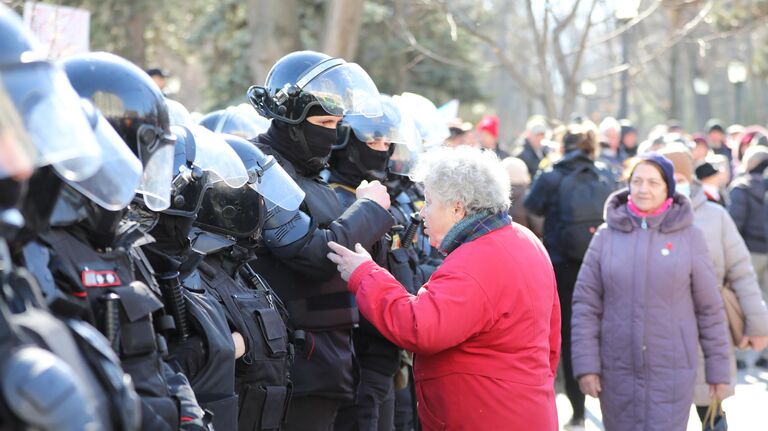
(52, 117)
(114, 185)
(156, 148)
(18, 157)
(429, 123)
(344, 89)
(275, 185)
(214, 155)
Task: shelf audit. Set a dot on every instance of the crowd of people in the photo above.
(326, 257)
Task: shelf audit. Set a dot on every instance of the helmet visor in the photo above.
(278, 187)
(17, 154)
(53, 119)
(214, 155)
(429, 123)
(113, 186)
(157, 158)
(406, 151)
(394, 125)
(345, 89)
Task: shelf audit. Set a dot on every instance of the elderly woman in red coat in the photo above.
(485, 328)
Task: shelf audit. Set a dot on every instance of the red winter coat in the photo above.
(485, 329)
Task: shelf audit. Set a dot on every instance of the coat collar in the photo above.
(619, 217)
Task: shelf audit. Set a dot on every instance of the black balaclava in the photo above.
(171, 248)
(99, 226)
(357, 162)
(307, 146)
(38, 203)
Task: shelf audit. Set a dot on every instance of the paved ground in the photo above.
(746, 411)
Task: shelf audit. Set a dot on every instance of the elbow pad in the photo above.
(283, 227)
(42, 391)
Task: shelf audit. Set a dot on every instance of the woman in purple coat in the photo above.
(646, 295)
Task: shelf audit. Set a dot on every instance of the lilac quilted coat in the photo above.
(644, 299)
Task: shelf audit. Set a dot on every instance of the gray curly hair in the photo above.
(463, 174)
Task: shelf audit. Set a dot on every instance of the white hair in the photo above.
(475, 178)
(517, 171)
(608, 124)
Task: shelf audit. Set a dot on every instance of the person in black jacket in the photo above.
(234, 218)
(747, 208)
(366, 145)
(545, 198)
(532, 149)
(306, 93)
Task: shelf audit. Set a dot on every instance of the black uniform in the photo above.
(111, 402)
(202, 346)
(261, 374)
(379, 358)
(122, 307)
(417, 260)
(323, 372)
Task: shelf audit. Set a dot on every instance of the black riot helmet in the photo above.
(202, 160)
(356, 161)
(136, 109)
(240, 212)
(240, 120)
(304, 79)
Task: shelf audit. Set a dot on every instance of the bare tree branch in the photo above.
(540, 42)
(684, 31)
(509, 66)
(404, 33)
(624, 28)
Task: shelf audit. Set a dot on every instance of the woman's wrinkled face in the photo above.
(439, 217)
(647, 187)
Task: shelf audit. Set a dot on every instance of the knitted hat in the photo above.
(667, 169)
(490, 124)
(706, 170)
(681, 159)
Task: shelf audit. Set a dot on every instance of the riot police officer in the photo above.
(29, 373)
(235, 217)
(305, 94)
(202, 346)
(55, 374)
(91, 246)
(365, 152)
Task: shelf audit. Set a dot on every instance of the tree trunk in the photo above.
(675, 108)
(137, 23)
(342, 28)
(274, 27)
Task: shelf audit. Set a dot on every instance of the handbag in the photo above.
(714, 419)
(734, 313)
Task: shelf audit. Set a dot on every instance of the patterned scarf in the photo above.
(472, 227)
